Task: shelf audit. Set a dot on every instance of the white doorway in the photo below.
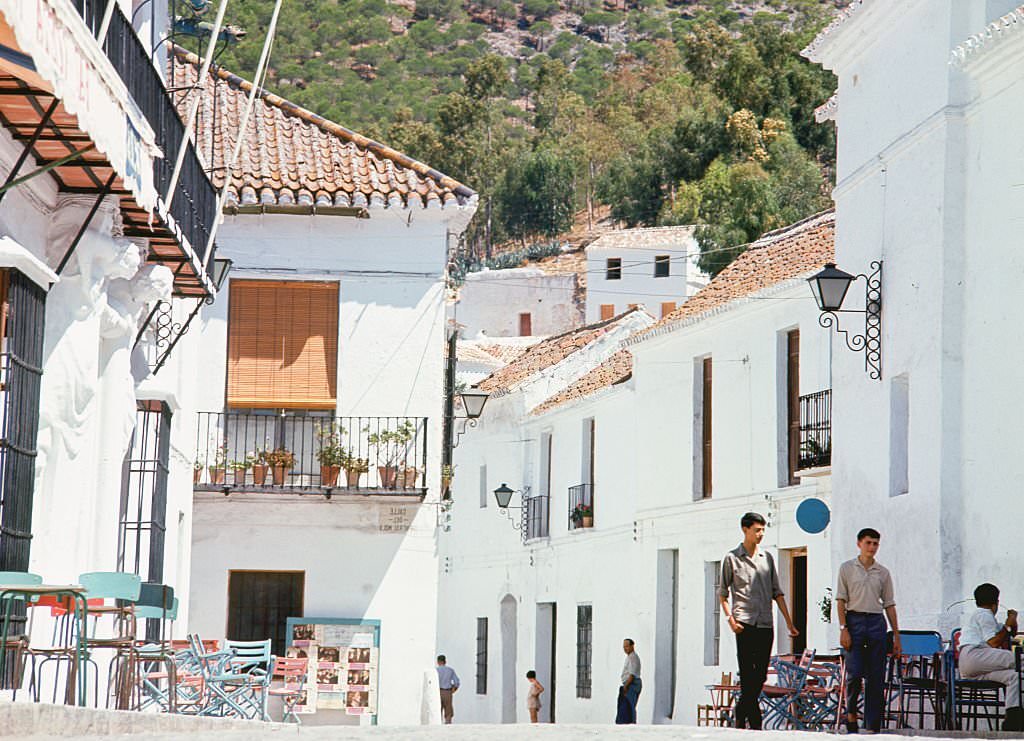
(509, 678)
(544, 661)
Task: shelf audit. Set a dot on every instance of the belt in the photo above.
(855, 612)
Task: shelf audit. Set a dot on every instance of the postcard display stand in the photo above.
(344, 660)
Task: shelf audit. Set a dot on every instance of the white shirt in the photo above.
(980, 626)
(631, 667)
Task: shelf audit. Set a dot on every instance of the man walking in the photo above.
(982, 655)
(448, 681)
(864, 591)
(629, 690)
(749, 574)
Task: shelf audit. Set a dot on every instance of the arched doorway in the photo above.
(508, 658)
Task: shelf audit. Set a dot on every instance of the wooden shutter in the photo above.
(607, 311)
(525, 325)
(282, 344)
(667, 307)
(706, 430)
(793, 402)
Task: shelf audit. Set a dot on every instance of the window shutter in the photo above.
(282, 344)
(607, 311)
(667, 307)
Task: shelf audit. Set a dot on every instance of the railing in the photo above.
(816, 429)
(321, 453)
(536, 517)
(581, 500)
(194, 207)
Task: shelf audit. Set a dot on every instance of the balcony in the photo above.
(816, 430)
(310, 453)
(536, 517)
(581, 506)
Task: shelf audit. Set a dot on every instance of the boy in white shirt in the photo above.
(980, 639)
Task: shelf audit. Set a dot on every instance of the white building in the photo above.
(630, 419)
(928, 182)
(335, 315)
(655, 267)
(102, 260)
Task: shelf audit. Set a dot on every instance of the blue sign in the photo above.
(812, 516)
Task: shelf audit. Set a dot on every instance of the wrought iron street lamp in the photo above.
(503, 496)
(830, 287)
(221, 268)
(473, 402)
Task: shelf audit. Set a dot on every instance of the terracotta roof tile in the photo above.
(616, 369)
(294, 156)
(776, 257)
(644, 238)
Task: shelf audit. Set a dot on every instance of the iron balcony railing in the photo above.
(317, 452)
(194, 207)
(536, 517)
(816, 429)
(581, 506)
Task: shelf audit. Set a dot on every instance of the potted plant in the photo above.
(260, 467)
(281, 461)
(239, 467)
(391, 448)
(407, 477)
(583, 515)
(197, 472)
(354, 467)
(447, 474)
(330, 454)
(217, 468)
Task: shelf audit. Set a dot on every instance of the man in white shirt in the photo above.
(629, 689)
(448, 681)
(980, 639)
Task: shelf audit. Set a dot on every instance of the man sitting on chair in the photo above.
(982, 639)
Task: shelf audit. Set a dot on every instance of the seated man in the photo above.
(981, 655)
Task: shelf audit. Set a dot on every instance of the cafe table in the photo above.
(76, 595)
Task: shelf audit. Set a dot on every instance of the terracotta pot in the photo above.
(352, 478)
(197, 474)
(239, 476)
(279, 473)
(388, 476)
(408, 478)
(259, 474)
(329, 475)
(588, 522)
(216, 474)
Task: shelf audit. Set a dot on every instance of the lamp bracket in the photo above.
(459, 433)
(870, 342)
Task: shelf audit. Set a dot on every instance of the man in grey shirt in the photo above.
(448, 681)
(749, 574)
(629, 691)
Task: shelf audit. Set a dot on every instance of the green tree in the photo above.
(536, 198)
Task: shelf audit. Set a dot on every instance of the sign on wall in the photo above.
(344, 662)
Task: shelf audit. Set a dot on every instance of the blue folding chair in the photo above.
(779, 700)
(819, 705)
(122, 590)
(236, 679)
(915, 679)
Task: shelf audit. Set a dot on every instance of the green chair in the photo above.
(10, 674)
(122, 590)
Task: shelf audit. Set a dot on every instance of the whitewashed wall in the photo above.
(644, 511)
(491, 301)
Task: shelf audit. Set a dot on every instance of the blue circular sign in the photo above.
(812, 515)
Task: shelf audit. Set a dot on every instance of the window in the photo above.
(481, 656)
(260, 603)
(702, 425)
(525, 325)
(584, 648)
(667, 307)
(662, 263)
(538, 507)
(483, 486)
(613, 268)
(607, 311)
(282, 344)
(712, 612)
(793, 405)
(899, 436)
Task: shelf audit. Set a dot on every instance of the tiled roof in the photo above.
(644, 238)
(995, 32)
(811, 50)
(490, 353)
(616, 369)
(293, 156)
(547, 353)
(828, 110)
(776, 257)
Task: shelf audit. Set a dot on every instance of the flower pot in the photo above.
(279, 474)
(388, 476)
(259, 474)
(216, 474)
(588, 522)
(239, 476)
(408, 477)
(197, 474)
(329, 475)
(352, 478)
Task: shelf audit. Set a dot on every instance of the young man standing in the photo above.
(864, 591)
(629, 689)
(448, 681)
(981, 652)
(749, 574)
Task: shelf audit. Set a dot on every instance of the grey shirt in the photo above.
(447, 679)
(753, 582)
(631, 667)
(865, 589)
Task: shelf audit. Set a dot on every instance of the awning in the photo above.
(46, 44)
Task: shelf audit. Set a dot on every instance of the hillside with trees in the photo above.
(666, 111)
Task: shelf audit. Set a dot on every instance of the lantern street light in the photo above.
(830, 287)
(473, 402)
(503, 496)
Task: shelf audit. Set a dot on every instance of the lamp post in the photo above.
(829, 287)
(473, 401)
(503, 496)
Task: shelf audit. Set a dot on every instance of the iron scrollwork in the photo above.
(870, 342)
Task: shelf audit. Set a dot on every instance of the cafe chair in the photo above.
(915, 681)
(15, 645)
(779, 708)
(971, 699)
(293, 675)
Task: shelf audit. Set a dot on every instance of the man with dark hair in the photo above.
(863, 592)
(629, 689)
(982, 655)
(448, 681)
(749, 574)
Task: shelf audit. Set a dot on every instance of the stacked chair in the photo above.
(915, 682)
(780, 700)
(292, 673)
(236, 680)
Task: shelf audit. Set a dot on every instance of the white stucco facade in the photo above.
(494, 302)
(647, 567)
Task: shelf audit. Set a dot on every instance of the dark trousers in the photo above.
(625, 712)
(753, 653)
(865, 664)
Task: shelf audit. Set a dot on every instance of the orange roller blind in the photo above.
(282, 344)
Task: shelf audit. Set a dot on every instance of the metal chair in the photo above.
(819, 706)
(970, 699)
(236, 679)
(779, 700)
(123, 591)
(293, 674)
(719, 711)
(915, 678)
(14, 647)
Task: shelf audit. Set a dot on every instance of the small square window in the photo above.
(661, 266)
(613, 268)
